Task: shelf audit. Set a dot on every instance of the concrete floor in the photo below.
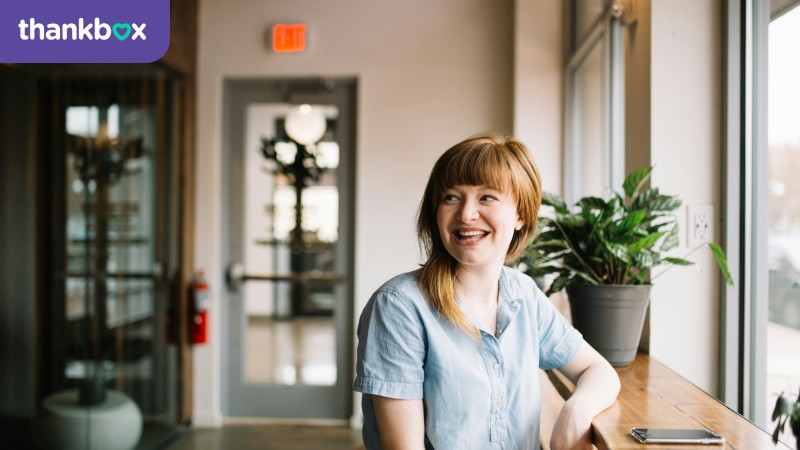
(268, 437)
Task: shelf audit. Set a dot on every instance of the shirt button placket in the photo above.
(497, 383)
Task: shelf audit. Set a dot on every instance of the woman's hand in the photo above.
(596, 388)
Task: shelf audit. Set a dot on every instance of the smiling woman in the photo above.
(448, 354)
(465, 181)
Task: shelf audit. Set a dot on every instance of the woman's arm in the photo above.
(596, 388)
(401, 423)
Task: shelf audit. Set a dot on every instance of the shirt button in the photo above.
(513, 302)
(496, 366)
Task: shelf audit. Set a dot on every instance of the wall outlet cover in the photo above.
(700, 226)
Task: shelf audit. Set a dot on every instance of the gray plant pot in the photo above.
(610, 317)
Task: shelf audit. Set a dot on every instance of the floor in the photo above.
(299, 351)
(268, 437)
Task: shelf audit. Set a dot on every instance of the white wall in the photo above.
(538, 85)
(429, 74)
(686, 144)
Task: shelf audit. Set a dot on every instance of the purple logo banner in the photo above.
(83, 31)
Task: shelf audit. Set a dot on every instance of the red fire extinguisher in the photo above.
(201, 301)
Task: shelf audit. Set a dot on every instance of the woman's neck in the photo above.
(478, 287)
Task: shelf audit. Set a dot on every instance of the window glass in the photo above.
(783, 330)
(594, 148)
(589, 133)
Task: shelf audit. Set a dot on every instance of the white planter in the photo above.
(114, 424)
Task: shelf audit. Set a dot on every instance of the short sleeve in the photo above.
(559, 341)
(391, 348)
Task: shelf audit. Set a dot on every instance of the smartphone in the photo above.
(676, 436)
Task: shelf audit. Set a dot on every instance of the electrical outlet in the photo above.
(700, 225)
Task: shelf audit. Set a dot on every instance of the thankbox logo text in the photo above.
(97, 30)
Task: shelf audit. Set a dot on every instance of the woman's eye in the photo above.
(449, 198)
(488, 198)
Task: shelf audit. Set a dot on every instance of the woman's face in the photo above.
(476, 225)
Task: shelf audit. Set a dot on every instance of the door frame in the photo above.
(331, 402)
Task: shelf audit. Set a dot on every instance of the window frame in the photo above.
(607, 32)
(743, 330)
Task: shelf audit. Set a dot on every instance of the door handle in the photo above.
(235, 276)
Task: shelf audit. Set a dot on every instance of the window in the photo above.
(762, 322)
(782, 186)
(594, 161)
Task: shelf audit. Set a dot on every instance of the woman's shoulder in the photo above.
(517, 282)
(403, 287)
(401, 282)
(397, 298)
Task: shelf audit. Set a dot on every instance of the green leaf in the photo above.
(592, 203)
(544, 224)
(631, 220)
(645, 259)
(671, 240)
(719, 255)
(538, 271)
(572, 221)
(555, 201)
(589, 216)
(635, 181)
(557, 243)
(619, 250)
(558, 284)
(645, 242)
(665, 203)
(644, 199)
(546, 233)
(677, 261)
(782, 408)
(778, 429)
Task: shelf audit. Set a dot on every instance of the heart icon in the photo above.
(121, 26)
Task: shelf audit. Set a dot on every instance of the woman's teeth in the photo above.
(470, 234)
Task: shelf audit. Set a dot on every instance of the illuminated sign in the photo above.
(289, 37)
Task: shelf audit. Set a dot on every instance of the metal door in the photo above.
(287, 219)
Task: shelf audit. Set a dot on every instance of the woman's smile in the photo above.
(477, 224)
(470, 236)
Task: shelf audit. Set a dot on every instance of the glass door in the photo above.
(289, 242)
(110, 195)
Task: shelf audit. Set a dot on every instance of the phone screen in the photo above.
(674, 435)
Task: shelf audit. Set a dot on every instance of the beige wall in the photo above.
(686, 131)
(429, 74)
(538, 85)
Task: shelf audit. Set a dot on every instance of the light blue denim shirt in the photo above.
(476, 395)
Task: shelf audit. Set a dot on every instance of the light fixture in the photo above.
(305, 124)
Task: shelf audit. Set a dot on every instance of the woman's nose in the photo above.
(468, 211)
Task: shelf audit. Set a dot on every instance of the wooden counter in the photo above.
(653, 396)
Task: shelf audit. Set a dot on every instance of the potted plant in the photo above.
(787, 411)
(602, 252)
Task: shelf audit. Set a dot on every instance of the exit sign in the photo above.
(289, 37)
